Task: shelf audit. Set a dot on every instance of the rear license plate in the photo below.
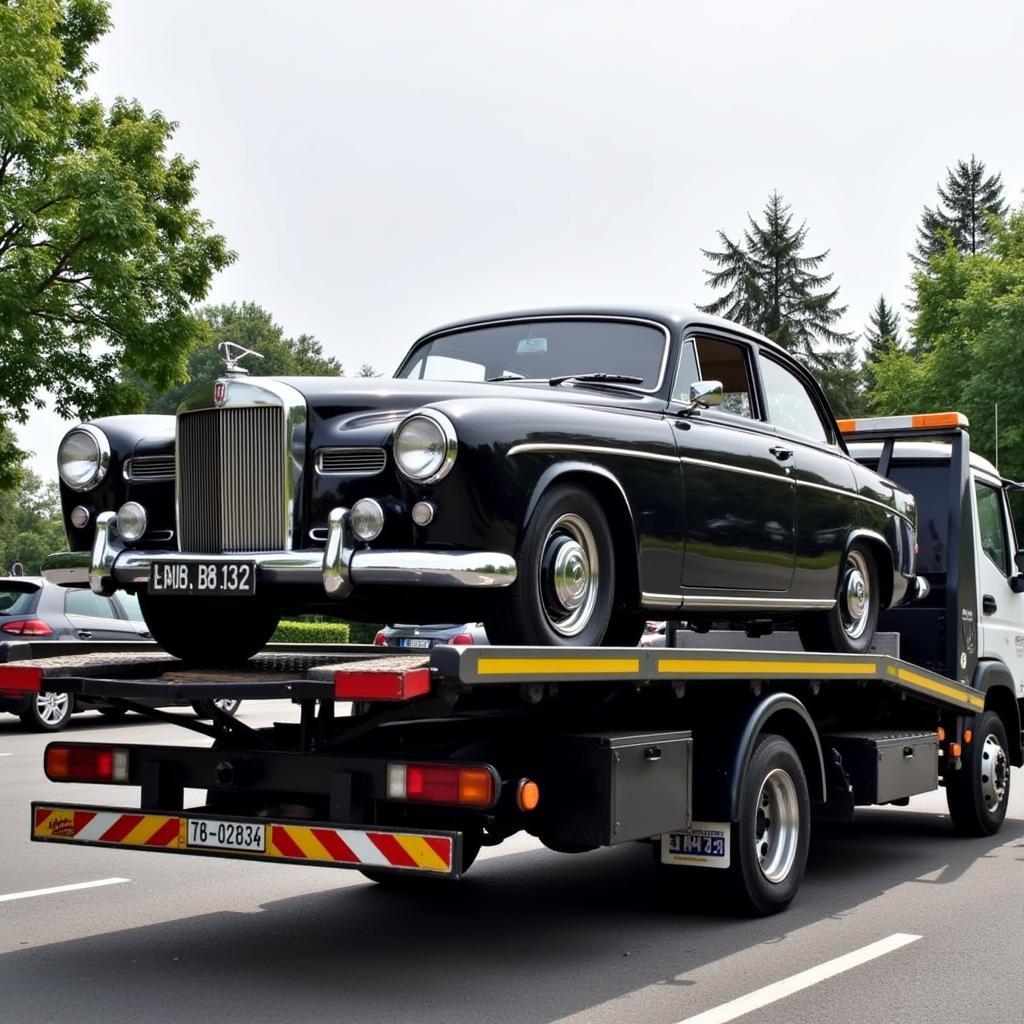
(227, 835)
(415, 642)
(705, 844)
(235, 578)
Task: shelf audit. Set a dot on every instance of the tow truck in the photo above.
(404, 767)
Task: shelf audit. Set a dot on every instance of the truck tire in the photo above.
(565, 590)
(979, 794)
(767, 846)
(208, 631)
(849, 626)
(205, 708)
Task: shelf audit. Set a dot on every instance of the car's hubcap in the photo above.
(569, 575)
(777, 825)
(995, 772)
(855, 598)
(52, 708)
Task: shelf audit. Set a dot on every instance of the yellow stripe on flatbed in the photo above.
(557, 666)
(906, 676)
(765, 668)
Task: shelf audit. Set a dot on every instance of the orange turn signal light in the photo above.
(968, 735)
(955, 750)
(941, 733)
(528, 795)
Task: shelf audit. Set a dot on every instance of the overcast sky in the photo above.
(381, 168)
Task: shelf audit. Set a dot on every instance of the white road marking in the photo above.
(61, 888)
(805, 979)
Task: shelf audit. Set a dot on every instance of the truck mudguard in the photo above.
(993, 678)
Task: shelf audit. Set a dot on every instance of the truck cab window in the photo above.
(995, 541)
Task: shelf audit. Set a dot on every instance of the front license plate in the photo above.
(705, 844)
(235, 578)
(227, 835)
(415, 642)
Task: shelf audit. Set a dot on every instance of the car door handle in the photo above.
(84, 634)
(781, 453)
(988, 605)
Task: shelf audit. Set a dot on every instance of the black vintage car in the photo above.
(562, 475)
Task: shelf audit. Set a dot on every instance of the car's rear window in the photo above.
(542, 349)
(18, 600)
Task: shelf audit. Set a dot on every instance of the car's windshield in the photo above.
(542, 349)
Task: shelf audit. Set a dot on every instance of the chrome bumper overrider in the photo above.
(338, 568)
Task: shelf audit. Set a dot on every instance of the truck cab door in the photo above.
(1001, 610)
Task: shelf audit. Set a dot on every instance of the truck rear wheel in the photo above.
(767, 846)
(979, 794)
(208, 631)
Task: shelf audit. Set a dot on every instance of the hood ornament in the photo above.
(233, 355)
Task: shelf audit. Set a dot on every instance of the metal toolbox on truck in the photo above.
(613, 788)
(886, 766)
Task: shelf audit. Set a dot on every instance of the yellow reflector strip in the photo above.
(557, 666)
(420, 851)
(766, 668)
(906, 676)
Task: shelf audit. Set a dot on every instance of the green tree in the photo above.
(882, 334)
(368, 370)
(771, 286)
(102, 250)
(969, 326)
(965, 212)
(249, 325)
(31, 524)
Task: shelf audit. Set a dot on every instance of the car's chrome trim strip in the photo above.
(661, 600)
(593, 449)
(133, 469)
(713, 601)
(564, 317)
(777, 477)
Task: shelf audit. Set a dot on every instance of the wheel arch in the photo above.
(993, 678)
(885, 568)
(612, 496)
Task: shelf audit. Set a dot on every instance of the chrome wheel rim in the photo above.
(776, 825)
(229, 705)
(995, 773)
(855, 595)
(52, 708)
(569, 575)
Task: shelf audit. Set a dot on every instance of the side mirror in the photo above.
(1017, 584)
(1018, 560)
(706, 393)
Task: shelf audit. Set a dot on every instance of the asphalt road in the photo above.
(898, 920)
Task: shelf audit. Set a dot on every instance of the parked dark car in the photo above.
(35, 610)
(413, 637)
(561, 475)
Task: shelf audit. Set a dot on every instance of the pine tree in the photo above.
(965, 205)
(882, 331)
(774, 289)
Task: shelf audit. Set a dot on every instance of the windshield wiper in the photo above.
(507, 375)
(596, 378)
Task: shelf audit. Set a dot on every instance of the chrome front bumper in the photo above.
(338, 568)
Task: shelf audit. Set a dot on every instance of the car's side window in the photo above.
(992, 525)
(790, 405)
(711, 359)
(85, 602)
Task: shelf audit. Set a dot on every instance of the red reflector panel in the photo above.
(462, 639)
(382, 685)
(20, 678)
(27, 627)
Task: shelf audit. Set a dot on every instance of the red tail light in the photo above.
(380, 640)
(27, 627)
(84, 762)
(461, 638)
(462, 785)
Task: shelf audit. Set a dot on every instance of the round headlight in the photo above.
(367, 519)
(425, 446)
(131, 521)
(83, 457)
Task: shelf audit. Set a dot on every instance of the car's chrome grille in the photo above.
(149, 467)
(231, 490)
(351, 461)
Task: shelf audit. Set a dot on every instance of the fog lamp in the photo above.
(423, 513)
(131, 521)
(79, 517)
(366, 518)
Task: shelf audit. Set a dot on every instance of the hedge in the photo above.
(291, 632)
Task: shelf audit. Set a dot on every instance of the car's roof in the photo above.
(37, 581)
(923, 450)
(675, 318)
